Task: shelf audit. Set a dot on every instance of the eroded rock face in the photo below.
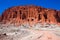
(30, 14)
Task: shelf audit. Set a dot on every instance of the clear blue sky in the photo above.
(5, 4)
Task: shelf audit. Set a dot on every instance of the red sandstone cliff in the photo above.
(30, 14)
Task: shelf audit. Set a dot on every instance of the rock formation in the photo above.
(30, 14)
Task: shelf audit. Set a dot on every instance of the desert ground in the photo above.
(26, 33)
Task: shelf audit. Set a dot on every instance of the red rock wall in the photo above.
(30, 14)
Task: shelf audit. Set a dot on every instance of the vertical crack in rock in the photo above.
(20, 13)
(45, 16)
(23, 16)
(57, 17)
(39, 17)
(15, 15)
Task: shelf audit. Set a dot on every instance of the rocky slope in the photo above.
(30, 14)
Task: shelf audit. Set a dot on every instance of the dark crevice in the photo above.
(45, 15)
(57, 17)
(49, 20)
(23, 16)
(24, 8)
(15, 11)
(32, 19)
(39, 17)
(28, 19)
(2, 17)
(15, 14)
(20, 12)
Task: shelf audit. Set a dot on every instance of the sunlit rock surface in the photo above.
(30, 14)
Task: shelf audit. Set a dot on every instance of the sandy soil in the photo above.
(13, 33)
(42, 35)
